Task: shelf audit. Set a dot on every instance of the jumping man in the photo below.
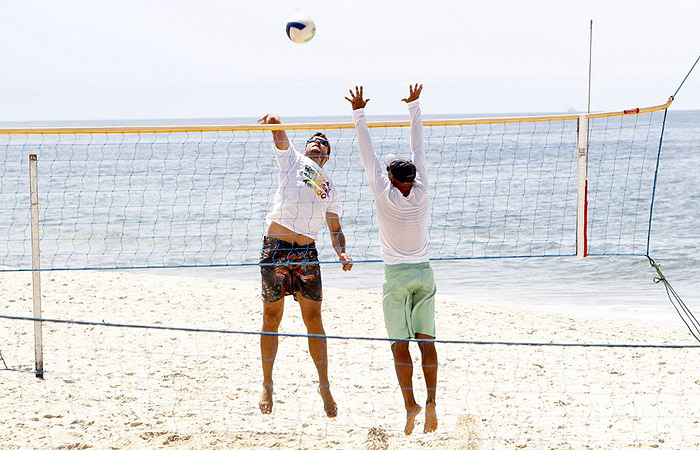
(305, 198)
(401, 194)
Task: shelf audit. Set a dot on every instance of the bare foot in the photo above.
(266, 399)
(431, 422)
(411, 414)
(328, 403)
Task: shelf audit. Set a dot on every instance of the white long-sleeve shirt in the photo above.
(304, 194)
(403, 221)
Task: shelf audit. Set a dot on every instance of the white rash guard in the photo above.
(304, 194)
(403, 221)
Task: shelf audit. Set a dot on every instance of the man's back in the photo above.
(403, 220)
(403, 224)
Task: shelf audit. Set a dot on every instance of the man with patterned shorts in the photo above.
(305, 198)
(402, 198)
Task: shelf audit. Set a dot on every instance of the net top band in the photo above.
(326, 126)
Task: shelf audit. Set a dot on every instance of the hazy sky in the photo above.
(145, 59)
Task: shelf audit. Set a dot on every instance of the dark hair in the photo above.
(323, 136)
(403, 170)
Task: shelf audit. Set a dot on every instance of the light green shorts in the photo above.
(409, 300)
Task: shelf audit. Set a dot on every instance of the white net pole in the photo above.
(36, 265)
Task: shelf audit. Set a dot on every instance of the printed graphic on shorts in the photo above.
(311, 178)
(283, 273)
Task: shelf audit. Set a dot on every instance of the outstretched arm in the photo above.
(375, 171)
(278, 136)
(417, 140)
(338, 239)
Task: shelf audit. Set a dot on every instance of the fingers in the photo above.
(346, 261)
(359, 90)
(362, 93)
(356, 99)
(413, 92)
(270, 118)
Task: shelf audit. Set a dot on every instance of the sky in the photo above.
(171, 59)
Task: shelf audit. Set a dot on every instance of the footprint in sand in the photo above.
(467, 429)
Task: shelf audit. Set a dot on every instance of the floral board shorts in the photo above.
(287, 268)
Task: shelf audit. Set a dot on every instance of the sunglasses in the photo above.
(320, 141)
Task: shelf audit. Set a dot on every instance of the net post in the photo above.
(36, 265)
(582, 188)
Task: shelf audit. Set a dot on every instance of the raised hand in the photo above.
(413, 93)
(356, 99)
(270, 118)
(278, 136)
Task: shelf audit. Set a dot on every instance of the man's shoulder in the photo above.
(289, 152)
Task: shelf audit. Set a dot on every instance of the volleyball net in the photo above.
(157, 197)
(152, 197)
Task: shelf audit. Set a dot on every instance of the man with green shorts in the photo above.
(401, 193)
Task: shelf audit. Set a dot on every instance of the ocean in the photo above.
(615, 287)
(159, 216)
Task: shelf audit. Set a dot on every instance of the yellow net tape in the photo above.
(326, 126)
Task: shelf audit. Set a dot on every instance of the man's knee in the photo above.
(428, 353)
(272, 314)
(311, 315)
(310, 309)
(400, 349)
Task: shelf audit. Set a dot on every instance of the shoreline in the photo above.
(636, 300)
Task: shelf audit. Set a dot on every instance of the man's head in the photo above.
(402, 173)
(403, 170)
(318, 148)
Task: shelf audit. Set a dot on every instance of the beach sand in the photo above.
(132, 388)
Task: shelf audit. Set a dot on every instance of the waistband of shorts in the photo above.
(406, 266)
(279, 243)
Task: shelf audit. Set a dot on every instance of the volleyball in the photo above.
(300, 28)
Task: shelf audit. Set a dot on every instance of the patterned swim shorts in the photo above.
(287, 268)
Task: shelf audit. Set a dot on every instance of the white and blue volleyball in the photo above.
(300, 28)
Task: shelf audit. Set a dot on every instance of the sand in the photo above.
(125, 388)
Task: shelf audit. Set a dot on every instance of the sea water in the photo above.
(617, 287)
(598, 286)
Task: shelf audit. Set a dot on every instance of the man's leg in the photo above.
(272, 316)
(404, 372)
(311, 313)
(430, 369)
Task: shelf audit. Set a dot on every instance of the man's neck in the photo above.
(405, 190)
